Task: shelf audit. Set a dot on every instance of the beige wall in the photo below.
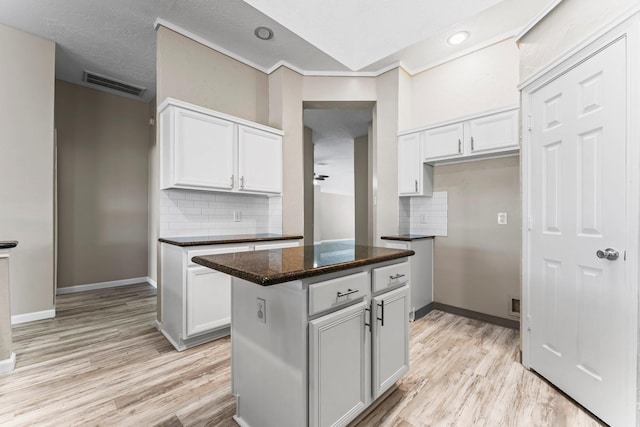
(568, 25)
(308, 185)
(327, 89)
(337, 215)
(285, 112)
(103, 143)
(477, 266)
(483, 80)
(385, 155)
(192, 72)
(26, 162)
(361, 198)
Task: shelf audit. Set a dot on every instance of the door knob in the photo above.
(610, 254)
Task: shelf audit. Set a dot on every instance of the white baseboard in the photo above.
(7, 365)
(32, 317)
(152, 282)
(102, 285)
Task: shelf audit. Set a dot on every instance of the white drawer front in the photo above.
(215, 251)
(390, 276)
(338, 292)
(277, 245)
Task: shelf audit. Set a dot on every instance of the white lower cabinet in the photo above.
(356, 354)
(328, 349)
(208, 300)
(338, 364)
(390, 355)
(196, 300)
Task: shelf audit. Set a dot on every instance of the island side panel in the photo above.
(269, 360)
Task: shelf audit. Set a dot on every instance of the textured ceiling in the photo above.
(116, 38)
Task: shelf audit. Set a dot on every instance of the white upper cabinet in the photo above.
(259, 160)
(202, 149)
(494, 132)
(487, 134)
(414, 177)
(444, 141)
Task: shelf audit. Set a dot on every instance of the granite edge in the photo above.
(406, 238)
(8, 244)
(228, 241)
(276, 279)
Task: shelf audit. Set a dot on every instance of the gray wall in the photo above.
(477, 266)
(103, 143)
(26, 164)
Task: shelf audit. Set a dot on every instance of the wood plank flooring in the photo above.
(102, 362)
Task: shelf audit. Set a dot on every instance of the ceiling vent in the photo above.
(112, 84)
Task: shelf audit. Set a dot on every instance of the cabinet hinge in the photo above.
(529, 223)
(529, 126)
(529, 323)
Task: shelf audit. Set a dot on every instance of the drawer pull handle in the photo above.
(381, 319)
(349, 292)
(397, 276)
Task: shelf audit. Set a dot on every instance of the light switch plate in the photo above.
(502, 218)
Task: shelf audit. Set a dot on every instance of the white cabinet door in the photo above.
(208, 304)
(203, 150)
(409, 164)
(338, 347)
(444, 141)
(259, 160)
(494, 132)
(390, 322)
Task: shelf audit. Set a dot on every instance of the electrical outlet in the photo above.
(237, 215)
(502, 218)
(262, 311)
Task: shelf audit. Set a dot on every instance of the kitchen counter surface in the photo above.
(406, 237)
(270, 267)
(221, 240)
(8, 244)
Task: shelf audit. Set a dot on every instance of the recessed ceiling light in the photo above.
(458, 37)
(263, 33)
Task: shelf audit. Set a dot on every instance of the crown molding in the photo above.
(164, 23)
(536, 19)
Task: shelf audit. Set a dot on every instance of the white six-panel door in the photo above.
(579, 325)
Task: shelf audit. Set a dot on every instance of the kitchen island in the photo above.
(318, 333)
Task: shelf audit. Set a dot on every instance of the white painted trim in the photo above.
(474, 158)
(345, 73)
(335, 241)
(32, 317)
(539, 78)
(4, 253)
(152, 282)
(207, 43)
(7, 365)
(536, 19)
(218, 114)
(460, 119)
(101, 285)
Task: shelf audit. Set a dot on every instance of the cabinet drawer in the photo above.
(390, 276)
(338, 292)
(214, 251)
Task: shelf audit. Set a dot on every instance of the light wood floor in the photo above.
(101, 362)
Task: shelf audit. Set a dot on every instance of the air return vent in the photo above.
(112, 84)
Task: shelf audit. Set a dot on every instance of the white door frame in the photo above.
(627, 27)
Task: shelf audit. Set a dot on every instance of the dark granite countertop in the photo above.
(221, 240)
(275, 266)
(8, 244)
(406, 237)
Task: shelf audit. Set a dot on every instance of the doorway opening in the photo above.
(338, 177)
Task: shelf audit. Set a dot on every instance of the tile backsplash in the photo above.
(197, 213)
(424, 215)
